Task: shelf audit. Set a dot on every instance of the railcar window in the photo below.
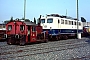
(66, 22)
(49, 20)
(62, 21)
(72, 22)
(22, 27)
(33, 28)
(9, 27)
(42, 20)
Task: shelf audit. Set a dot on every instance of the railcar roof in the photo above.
(27, 23)
(60, 16)
(30, 23)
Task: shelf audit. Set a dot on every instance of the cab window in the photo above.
(42, 20)
(49, 20)
(22, 27)
(9, 27)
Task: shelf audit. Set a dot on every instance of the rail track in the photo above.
(13, 51)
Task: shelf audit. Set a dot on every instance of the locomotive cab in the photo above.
(19, 32)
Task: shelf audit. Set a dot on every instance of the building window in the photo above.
(62, 21)
(3, 26)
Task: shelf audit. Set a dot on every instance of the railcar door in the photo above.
(33, 34)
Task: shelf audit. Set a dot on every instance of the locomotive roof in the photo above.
(30, 23)
(27, 23)
(61, 16)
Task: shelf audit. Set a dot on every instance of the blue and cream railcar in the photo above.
(60, 27)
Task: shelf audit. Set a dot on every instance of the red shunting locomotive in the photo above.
(20, 32)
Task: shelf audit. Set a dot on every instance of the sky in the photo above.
(35, 8)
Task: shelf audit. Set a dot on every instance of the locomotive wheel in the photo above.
(46, 41)
(22, 43)
(50, 38)
(57, 38)
(65, 37)
(9, 42)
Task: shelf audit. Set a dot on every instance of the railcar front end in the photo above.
(60, 27)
